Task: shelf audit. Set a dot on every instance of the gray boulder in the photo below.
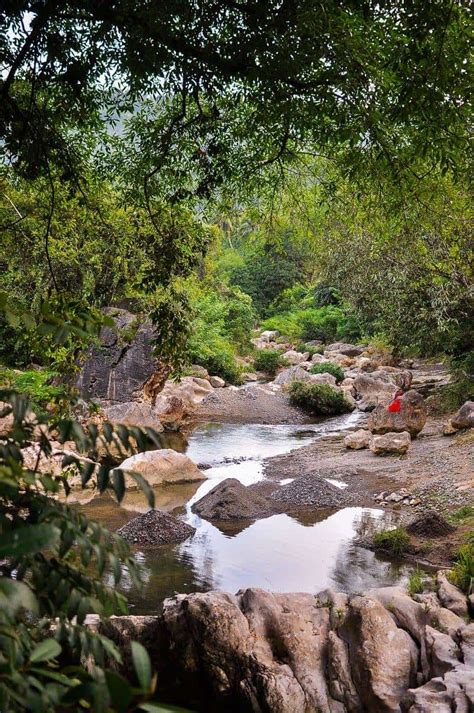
(411, 417)
(464, 418)
(351, 350)
(390, 444)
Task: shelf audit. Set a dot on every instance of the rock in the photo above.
(269, 335)
(448, 429)
(216, 382)
(350, 350)
(117, 370)
(179, 399)
(443, 653)
(411, 417)
(357, 440)
(450, 596)
(364, 363)
(294, 358)
(199, 371)
(382, 657)
(161, 467)
(294, 373)
(155, 528)
(464, 418)
(430, 524)
(390, 444)
(372, 390)
(230, 500)
(134, 413)
(318, 359)
(401, 377)
(452, 692)
(249, 377)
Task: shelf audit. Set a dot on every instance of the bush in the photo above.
(415, 582)
(33, 383)
(319, 399)
(310, 348)
(329, 368)
(395, 541)
(269, 361)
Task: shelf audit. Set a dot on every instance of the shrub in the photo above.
(462, 573)
(319, 399)
(395, 541)
(310, 348)
(32, 383)
(269, 361)
(464, 513)
(328, 368)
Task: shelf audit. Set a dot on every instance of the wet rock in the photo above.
(430, 524)
(464, 418)
(358, 439)
(230, 500)
(134, 413)
(390, 444)
(155, 528)
(117, 369)
(161, 467)
(411, 417)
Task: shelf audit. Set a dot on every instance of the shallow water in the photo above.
(305, 552)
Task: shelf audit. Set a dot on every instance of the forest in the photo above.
(230, 230)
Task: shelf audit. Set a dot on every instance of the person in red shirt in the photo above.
(395, 405)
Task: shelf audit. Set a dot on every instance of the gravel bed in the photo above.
(311, 490)
(155, 528)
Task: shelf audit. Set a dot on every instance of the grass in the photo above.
(462, 574)
(310, 348)
(318, 399)
(329, 368)
(394, 541)
(415, 582)
(464, 513)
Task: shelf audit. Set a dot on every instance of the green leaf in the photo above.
(118, 483)
(45, 651)
(120, 691)
(142, 665)
(162, 708)
(28, 540)
(16, 595)
(145, 486)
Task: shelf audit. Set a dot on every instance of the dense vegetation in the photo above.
(213, 166)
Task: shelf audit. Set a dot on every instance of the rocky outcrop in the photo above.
(178, 399)
(373, 389)
(390, 444)
(382, 651)
(294, 373)
(463, 418)
(134, 413)
(230, 500)
(156, 528)
(357, 439)
(161, 467)
(411, 417)
(350, 350)
(117, 369)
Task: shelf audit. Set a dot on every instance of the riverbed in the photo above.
(305, 551)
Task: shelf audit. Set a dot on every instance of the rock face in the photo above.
(117, 370)
(134, 413)
(155, 528)
(373, 389)
(230, 500)
(161, 467)
(411, 417)
(178, 399)
(390, 444)
(464, 418)
(357, 440)
(298, 653)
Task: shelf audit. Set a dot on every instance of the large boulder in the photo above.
(117, 369)
(350, 350)
(155, 528)
(134, 413)
(297, 373)
(464, 418)
(374, 389)
(230, 500)
(411, 417)
(269, 335)
(178, 399)
(293, 357)
(390, 444)
(161, 467)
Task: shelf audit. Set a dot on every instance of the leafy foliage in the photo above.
(328, 368)
(462, 573)
(269, 361)
(318, 399)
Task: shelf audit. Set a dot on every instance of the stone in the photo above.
(199, 371)
(381, 655)
(134, 413)
(293, 373)
(117, 370)
(464, 418)
(448, 429)
(294, 358)
(450, 596)
(249, 377)
(350, 350)
(323, 379)
(156, 528)
(230, 500)
(372, 390)
(161, 467)
(411, 417)
(216, 382)
(443, 653)
(318, 359)
(179, 399)
(269, 335)
(357, 440)
(390, 444)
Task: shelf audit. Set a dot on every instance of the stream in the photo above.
(302, 552)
